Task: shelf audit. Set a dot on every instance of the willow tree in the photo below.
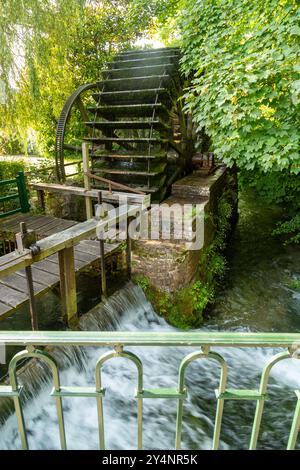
(49, 47)
(243, 57)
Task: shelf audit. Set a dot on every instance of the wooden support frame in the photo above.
(68, 285)
(128, 248)
(114, 197)
(68, 238)
(102, 254)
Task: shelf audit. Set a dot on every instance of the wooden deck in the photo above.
(44, 225)
(13, 288)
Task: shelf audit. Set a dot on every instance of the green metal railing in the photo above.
(117, 341)
(16, 189)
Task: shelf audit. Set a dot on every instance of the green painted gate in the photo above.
(15, 191)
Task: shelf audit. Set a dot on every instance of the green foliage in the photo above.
(291, 228)
(163, 16)
(244, 63)
(9, 169)
(182, 309)
(243, 58)
(49, 48)
(143, 282)
(10, 142)
(293, 284)
(280, 188)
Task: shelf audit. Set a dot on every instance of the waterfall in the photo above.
(128, 310)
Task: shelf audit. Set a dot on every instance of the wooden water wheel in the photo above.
(136, 126)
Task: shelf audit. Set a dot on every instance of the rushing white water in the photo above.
(128, 310)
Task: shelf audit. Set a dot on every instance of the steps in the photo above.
(133, 124)
(145, 96)
(130, 110)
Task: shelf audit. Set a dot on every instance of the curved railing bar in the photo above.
(295, 425)
(262, 391)
(30, 352)
(181, 389)
(101, 361)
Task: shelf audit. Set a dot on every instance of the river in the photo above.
(256, 296)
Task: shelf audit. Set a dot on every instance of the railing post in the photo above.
(41, 198)
(23, 195)
(102, 256)
(68, 285)
(24, 240)
(86, 179)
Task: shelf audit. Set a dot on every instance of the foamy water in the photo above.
(128, 310)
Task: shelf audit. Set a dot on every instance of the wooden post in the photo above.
(68, 285)
(41, 198)
(128, 249)
(103, 271)
(102, 255)
(24, 240)
(32, 305)
(86, 179)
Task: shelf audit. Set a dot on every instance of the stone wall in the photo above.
(66, 206)
(170, 264)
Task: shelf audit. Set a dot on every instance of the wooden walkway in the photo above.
(44, 225)
(46, 275)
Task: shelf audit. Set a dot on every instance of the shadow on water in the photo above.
(256, 293)
(254, 298)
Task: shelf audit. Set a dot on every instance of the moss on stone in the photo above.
(185, 308)
(182, 309)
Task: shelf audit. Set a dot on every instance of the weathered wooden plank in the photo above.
(54, 224)
(32, 223)
(11, 296)
(12, 221)
(94, 243)
(111, 247)
(79, 264)
(11, 262)
(4, 309)
(42, 224)
(48, 266)
(38, 222)
(18, 282)
(55, 228)
(91, 249)
(42, 277)
(84, 256)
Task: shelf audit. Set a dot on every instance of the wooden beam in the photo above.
(114, 197)
(128, 249)
(68, 285)
(15, 261)
(86, 179)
